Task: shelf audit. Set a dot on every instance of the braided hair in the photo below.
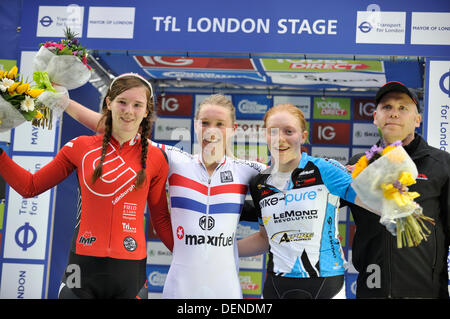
(117, 87)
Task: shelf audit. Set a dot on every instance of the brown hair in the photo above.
(220, 100)
(119, 86)
(295, 111)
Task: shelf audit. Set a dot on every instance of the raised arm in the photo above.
(85, 116)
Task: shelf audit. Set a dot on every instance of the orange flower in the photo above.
(38, 115)
(35, 92)
(360, 166)
(387, 149)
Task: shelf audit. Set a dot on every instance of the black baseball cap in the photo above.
(394, 86)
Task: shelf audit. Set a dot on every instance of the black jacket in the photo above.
(386, 271)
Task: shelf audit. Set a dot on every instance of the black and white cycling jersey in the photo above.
(301, 220)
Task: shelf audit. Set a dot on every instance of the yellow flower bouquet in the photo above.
(381, 178)
(19, 103)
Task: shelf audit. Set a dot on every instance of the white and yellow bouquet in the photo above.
(381, 177)
(19, 102)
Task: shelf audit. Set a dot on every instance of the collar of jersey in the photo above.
(301, 165)
(131, 142)
(200, 160)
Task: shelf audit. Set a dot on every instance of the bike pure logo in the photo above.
(288, 198)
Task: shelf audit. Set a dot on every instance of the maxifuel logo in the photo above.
(193, 240)
(332, 108)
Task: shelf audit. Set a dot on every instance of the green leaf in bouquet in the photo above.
(14, 99)
(66, 51)
(42, 81)
(69, 34)
(30, 115)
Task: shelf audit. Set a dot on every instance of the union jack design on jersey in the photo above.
(205, 211)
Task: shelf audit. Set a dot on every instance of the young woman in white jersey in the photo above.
(297, 200)
(207, 192)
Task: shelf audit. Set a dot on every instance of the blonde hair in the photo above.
(295, 111)
(220, 100)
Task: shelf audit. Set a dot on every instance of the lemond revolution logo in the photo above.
(295, 215)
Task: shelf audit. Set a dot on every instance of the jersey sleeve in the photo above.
(337, 179)
(28, 184)
(157, 203)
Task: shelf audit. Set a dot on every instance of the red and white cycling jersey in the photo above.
(110, 221)
(205, 211)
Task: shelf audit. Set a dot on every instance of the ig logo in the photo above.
(326, 133)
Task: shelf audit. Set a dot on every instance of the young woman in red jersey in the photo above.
(119, 172)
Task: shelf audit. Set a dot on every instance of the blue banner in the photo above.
(408, 28)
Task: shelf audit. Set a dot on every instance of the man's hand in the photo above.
(350, 168)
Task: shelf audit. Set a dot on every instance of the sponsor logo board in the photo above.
(331, 133)
(111, 22)
(331, 108)
(52, 20)
(174, 104)
(27, 222)
(21, 281)
(339, 154)
(380, 27)
(173, 129)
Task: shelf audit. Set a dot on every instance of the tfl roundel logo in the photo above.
(445, 78)
(365, 27)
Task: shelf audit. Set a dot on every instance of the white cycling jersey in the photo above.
(205, 211)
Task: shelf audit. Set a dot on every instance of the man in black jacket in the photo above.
(386, 271)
